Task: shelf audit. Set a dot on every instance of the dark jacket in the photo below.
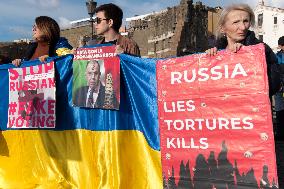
(280, 57)
(4, 59)
(271, 60)
(61, 43)
(80, 97)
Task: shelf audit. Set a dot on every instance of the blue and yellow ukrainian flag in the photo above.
(89, 148)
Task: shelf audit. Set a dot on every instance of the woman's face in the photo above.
(37, 34)
(236, 25)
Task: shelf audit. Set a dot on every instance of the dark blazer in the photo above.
(80, 97)
(271, 60)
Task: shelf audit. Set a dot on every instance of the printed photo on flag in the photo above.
(96, 82)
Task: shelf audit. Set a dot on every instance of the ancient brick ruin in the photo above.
(176, 31)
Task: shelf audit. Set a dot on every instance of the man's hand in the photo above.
(43, 58)
(17, 62)
(118, 50)
(73, 51)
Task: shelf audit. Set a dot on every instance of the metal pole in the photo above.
(92, 26)
(91, 6)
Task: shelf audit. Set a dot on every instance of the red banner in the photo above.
(215, 121)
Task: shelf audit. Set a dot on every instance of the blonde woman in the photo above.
(233, 33)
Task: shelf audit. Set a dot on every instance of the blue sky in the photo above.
(17, 16)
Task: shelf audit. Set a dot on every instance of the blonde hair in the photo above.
(227, 10)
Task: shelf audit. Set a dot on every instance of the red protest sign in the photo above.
(215, 120)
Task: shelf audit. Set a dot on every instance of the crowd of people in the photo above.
(233, 33)
(48, 43)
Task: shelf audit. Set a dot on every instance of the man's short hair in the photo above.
(113, 12)
(94, 62)
(281, 41)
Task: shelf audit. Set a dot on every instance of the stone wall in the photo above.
(176, 31)
(77, 34)
(179, 30)
(213, 18)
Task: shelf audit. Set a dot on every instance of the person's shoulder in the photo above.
(62, 47)
(129, 46)
(280, 53)
(63, 43)
(251, 39)
(271, 58)
(280, 58)
(268, 49)
(127, 40)
(94, 42)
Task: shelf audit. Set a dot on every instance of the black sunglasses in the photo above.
(99, 20)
